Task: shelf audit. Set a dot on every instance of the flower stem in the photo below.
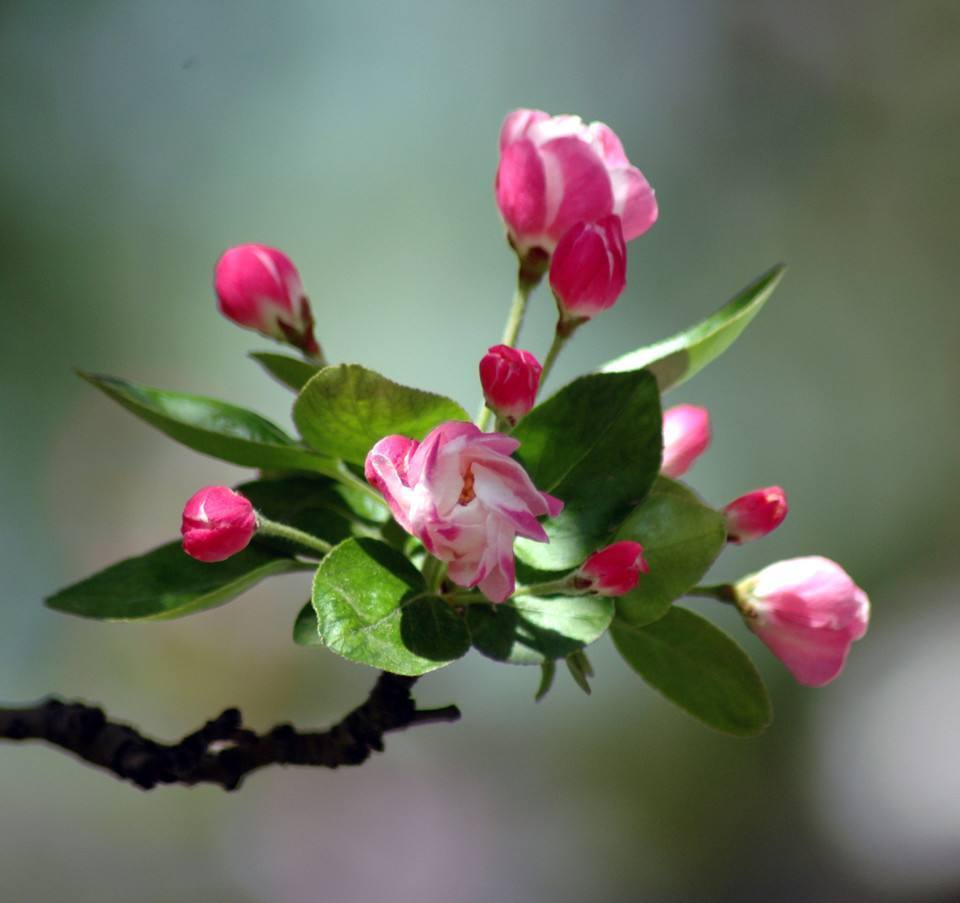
(291, 534)
(510, 332)
(560, 338)
(434, 570)
(721, 592)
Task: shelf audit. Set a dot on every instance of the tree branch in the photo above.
(223, 751)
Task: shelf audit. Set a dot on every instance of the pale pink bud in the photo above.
(217, 523)
(808, 611)
(755, 514)
(510, 379)
(462, 495)
(259, 288)
(589, 268)
(686, 435)
(613, 571)
(556, 171)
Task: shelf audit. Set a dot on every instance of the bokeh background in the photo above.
(140, 139)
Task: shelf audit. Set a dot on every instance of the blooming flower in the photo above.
(614, 570)
(755, 514)
(686, 435)
(510, 379)
(589, 268)
(808, 611)
(217, 523)
(462, 495)
(259, 288)
(556, 171)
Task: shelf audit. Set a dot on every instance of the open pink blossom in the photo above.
(259, 288)
(510, 379)
(808, 611)
(686, 435)
(462, 495)
(614, 570)
(217, 523)
(588, 271)
(556, 171)
(755, 514)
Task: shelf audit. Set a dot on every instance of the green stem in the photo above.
(434, 570)
(510, 332)
(563, 587)
(721, 592)
(291, 534)
(565, 329)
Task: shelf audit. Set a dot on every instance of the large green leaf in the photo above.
(344, 410)
(167, 583)
(675, 360)
(291, 372)
(699, 668)
(372, 607)
(596, 445)
(213, 427)
(527, 630)
(681, 538)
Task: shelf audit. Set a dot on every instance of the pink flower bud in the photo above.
(556, 171)
(217, 523)
(808, 612)
(259, 288)
(510, 379)
(755, 514)
(686, 435)
(462, 495)
(589, 268)
(615, 570)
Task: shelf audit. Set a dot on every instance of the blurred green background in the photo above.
(140, 139)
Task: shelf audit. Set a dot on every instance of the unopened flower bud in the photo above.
(510, 379)
(808, 612)
(755, 514)
(589, 268)
(614, 570)
(259, 288)
(686, 435)
(217, 523)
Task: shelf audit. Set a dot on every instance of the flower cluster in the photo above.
(526, 533)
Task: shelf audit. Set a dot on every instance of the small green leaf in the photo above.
(291, 372)
(344, 410)
(373, 608)
(681, 538)
(699, 668)
(580, 670)
(213, 427)
(167, 583)
(529, 630)
(674, 360)
(305, 627)
(548, 671)
(595, 445)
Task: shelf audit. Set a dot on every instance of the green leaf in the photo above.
(681, 538)
(345, 409)
(548, 671)
(167, 583)
(373, 608)
(596, 445)
(529, 630)
(305, 631)
(699, 668)
(291, 372)
(580, 670)
(674, 360)
(213, 427)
